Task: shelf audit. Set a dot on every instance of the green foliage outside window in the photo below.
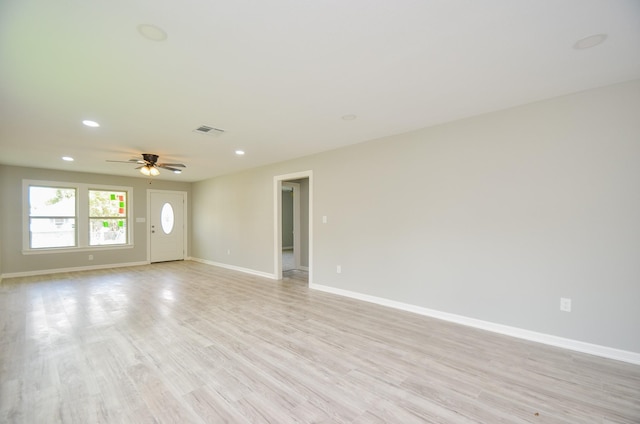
(107, 217)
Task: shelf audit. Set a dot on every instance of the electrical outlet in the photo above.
(565, 304)
(228, 251)
(90, 257)
(339, 269)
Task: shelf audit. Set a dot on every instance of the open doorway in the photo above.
(293, 235)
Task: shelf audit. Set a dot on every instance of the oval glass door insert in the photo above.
(167, 218)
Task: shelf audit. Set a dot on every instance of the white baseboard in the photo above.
(241, 269)
(236, 268)
(298, 268)
(575, 345)
(72, 269)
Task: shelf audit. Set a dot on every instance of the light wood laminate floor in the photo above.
(185, 342)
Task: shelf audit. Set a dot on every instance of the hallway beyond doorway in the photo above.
(289, 271)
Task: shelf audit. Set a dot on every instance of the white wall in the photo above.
(500, 216)
(1, 229)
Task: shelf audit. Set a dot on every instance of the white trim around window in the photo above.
(81, 217)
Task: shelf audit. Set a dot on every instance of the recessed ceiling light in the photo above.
(349, 117)
(590, 41)
(67, 158)
(239, 152)
(152, 32)
(89, 123)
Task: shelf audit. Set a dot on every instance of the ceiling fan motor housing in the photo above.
(150, 157)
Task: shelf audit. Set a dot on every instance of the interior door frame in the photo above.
(277, 220)
(185, 231)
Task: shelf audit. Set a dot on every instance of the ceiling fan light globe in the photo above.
(154, 171)
(145, 170)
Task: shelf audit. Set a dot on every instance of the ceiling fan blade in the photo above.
(164, 166)
(128, 161)
(149, 160)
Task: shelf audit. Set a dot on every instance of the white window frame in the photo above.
(82, 217)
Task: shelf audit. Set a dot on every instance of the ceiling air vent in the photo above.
(207, 130)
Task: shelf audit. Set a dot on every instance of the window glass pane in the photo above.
(166, 218)
(52, 232)
(107, 231)
(55, 221)
(109, 204)
(52, 201)
(107, 217)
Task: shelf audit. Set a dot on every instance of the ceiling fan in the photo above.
(149, 165)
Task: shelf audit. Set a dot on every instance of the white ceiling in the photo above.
(278, 75)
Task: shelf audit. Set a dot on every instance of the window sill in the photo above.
(75, 249)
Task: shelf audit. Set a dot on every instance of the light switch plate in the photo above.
(565, 304)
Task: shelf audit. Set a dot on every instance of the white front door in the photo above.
(166, 224)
